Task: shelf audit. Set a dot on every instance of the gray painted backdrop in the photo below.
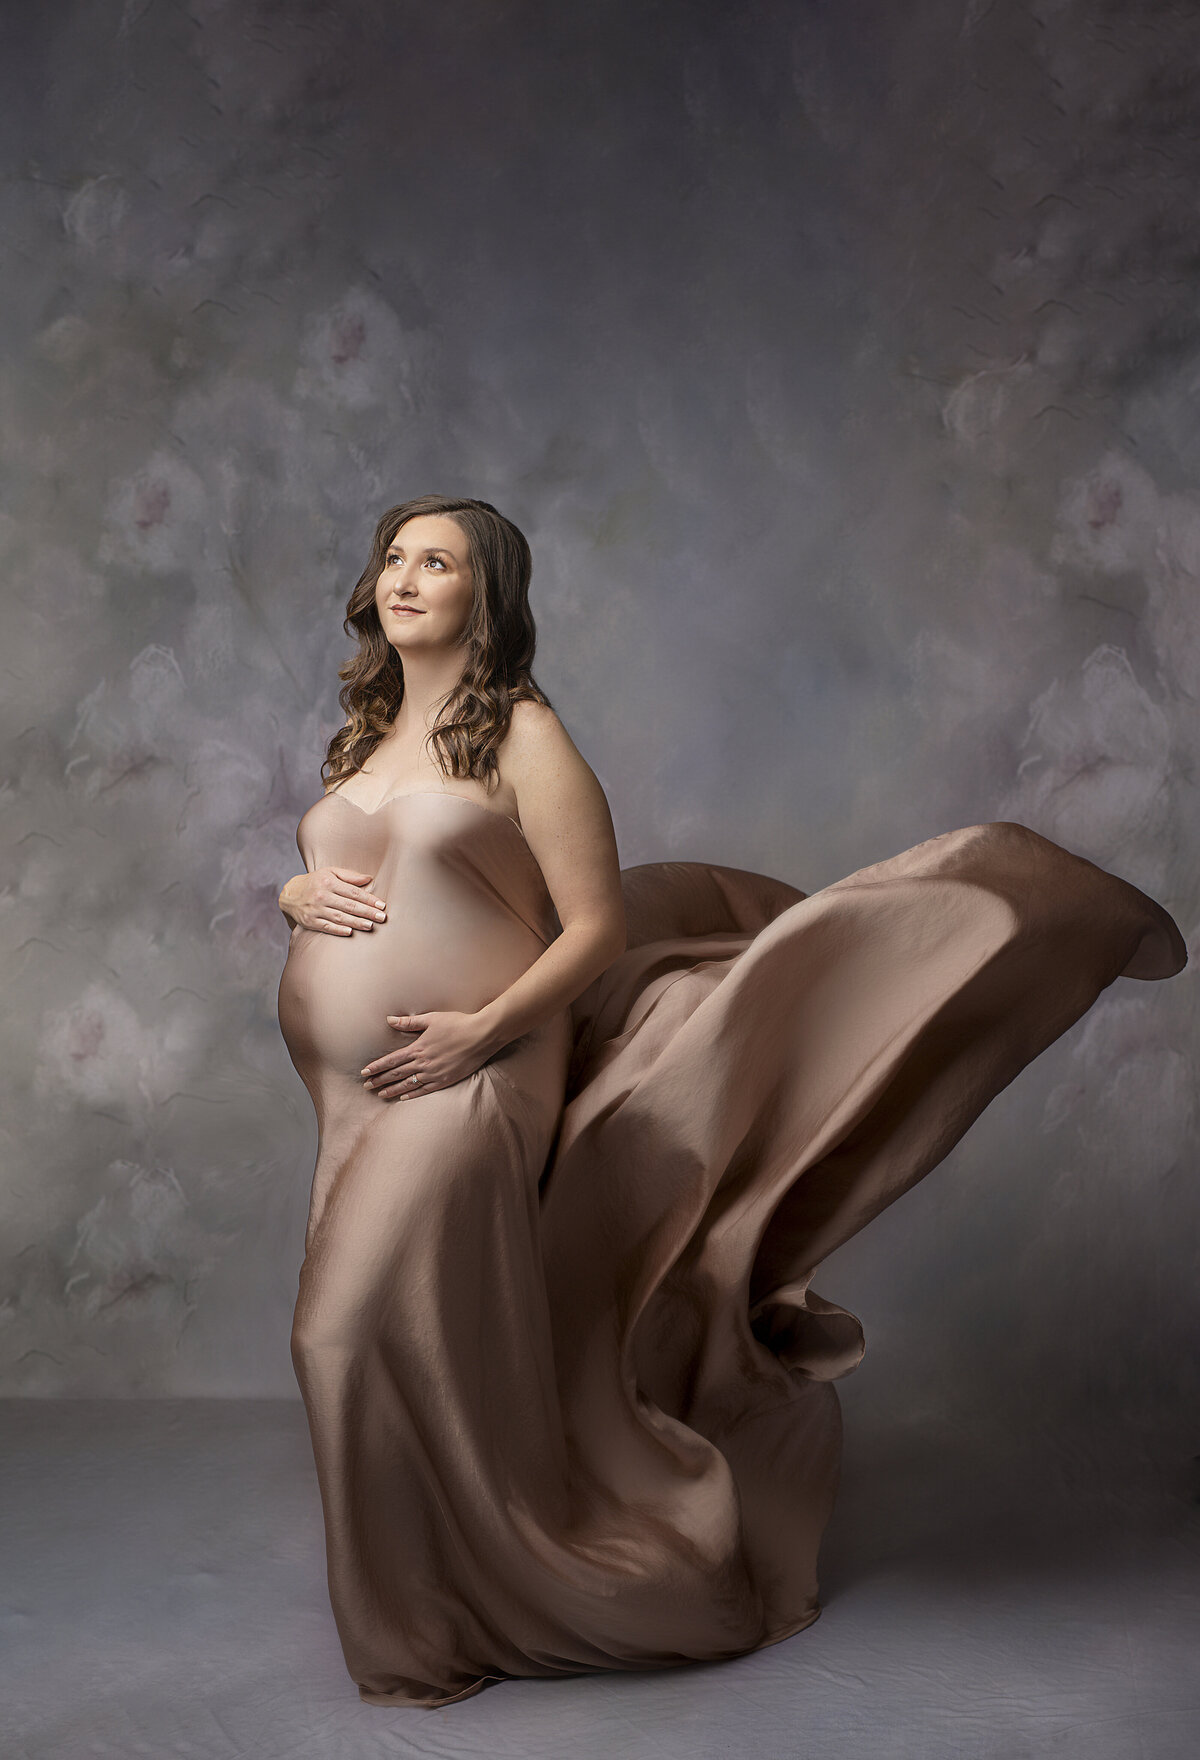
(841, 362)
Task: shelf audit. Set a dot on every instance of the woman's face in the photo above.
(425, 591)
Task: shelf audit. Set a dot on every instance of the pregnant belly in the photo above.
(336, 991)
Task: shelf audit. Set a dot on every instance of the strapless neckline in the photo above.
(438, 793)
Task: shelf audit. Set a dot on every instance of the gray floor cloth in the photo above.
(164, 1595)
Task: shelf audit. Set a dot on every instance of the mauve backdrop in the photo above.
(842, 364)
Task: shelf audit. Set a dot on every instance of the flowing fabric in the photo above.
(568, 1384)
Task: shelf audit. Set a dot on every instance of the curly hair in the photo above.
(499, 641)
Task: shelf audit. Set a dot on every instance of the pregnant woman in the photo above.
(586, 1133)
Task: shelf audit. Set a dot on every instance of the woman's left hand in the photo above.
(448, 1046)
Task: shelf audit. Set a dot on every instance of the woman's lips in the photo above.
(406, 611)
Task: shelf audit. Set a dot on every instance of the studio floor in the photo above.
(164, 1595)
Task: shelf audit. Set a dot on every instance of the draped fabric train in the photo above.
(567, 1382)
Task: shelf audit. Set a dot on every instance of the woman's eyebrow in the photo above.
(432, 550)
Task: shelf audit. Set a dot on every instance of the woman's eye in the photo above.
(439, 561)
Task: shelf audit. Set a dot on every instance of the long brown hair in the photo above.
(499, 639)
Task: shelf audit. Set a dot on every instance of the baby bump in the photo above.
(332, 1002)
(336, 991)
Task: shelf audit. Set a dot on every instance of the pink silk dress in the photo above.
(568, 1384)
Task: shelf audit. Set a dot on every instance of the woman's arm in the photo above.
(569, 830)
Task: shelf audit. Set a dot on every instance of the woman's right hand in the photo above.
(332, 900)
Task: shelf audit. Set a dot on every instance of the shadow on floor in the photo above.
(1017, 1599)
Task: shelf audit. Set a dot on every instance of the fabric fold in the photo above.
(569, 1383)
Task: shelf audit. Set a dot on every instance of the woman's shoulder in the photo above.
(533, 726)
(538, 750)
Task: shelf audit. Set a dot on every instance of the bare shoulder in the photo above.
(536, 745)
(566, 820)
(534, 727)
(545, 766)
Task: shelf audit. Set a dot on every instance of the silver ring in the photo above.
(414, 1078)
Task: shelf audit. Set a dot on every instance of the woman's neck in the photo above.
(428, 680)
